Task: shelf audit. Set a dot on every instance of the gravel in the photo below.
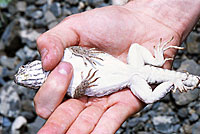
(23, 21)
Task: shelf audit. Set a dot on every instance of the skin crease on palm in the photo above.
(111, 29)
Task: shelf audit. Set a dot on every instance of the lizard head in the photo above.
(31, 75)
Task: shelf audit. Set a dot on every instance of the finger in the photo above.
(124, 105)
(52, 43)
(89, 117)
(63, 117)
(51, 94)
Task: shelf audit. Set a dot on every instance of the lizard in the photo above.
(97, 73)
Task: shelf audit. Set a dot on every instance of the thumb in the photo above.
(52, 43)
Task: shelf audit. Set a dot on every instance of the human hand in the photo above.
(111, 29)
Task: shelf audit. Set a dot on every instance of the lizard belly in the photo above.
(112, 74)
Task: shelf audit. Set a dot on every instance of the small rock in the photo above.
(49, 17)
(37, 14)
(31, 34)
(21, 6)
(177, 63)
(66, 12)
(10, 38)
(81, 5)
(163, 124)
(193, 43)
(183, 113)
(74, 10)
(56, 9)
(21, 54)
(17, 125)
(194, 117)
(31, 54)
(52, 24)
(34, 127)
(9, 100)
(24, 23)
(185, 98)
(9, 62)
(29, 10)
(196, 128)
(187, 129)
(6, 122)
(40, 2)
(72, 2)
(95, 3)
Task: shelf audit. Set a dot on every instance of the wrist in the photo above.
(180, 16)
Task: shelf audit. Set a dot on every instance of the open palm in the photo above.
(111, 29)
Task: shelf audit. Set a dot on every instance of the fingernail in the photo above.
(64, 68)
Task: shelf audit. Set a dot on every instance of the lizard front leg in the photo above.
(85, 84)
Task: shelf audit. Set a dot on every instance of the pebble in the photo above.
(36, 125)
(21, 6)
(196, 128)
(9, 100)
(56, 9)
(72, 2)
(193, 44)
(49, 17)
(17, 125)
(8, 62)
(37, 14)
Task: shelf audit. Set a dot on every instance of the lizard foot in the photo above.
(179, 84)
(161, 48)
(85, 84)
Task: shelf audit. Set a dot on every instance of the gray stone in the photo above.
(194, 117)
(196, 128)
(6, 122)
(9, 62)
(29, 10)
(177, 63)
(24, 23)
(49, 17)
(190, 66)
(17, 125)
(40, 23)
(163, 124)
(40, 2)
(74, 10)
(187, 129)
(36, 125)
(56, 9)
(72, 2)
(193, 43)
(21, 54)
(9, 100)
(185, 98)
(183, 113)
(37, 14)
(10, 38)
(52, 24)
(30, 34)
(30, 54)
(66, 12)
(5, 72)
(95, 3)
(21, 6)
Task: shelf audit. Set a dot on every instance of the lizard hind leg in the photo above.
(145, 93)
